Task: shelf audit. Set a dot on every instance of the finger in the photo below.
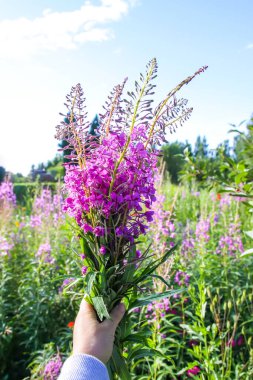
(117, 314)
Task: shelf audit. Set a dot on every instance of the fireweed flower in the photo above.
(5, 246)
(182, 278)
(65, 283)
(7, 196)
(35, 221)
(109, 186)
(158, 309)
(193, 371)
(202, 230)
(225, 201)
(162, 228)
(53, 368)
(47, 208)
(188, 242)
(7, 203)
(231, 243)
(161, 233)
(133, 188)
(44, 253)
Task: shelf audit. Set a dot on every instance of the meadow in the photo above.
(203, 331)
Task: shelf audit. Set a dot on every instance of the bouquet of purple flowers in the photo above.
(110, 187)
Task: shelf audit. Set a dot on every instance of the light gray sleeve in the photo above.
(83, 367)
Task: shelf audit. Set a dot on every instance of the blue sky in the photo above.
(48, 46)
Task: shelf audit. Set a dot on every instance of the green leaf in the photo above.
(117, 365)
(137, 338)
(160, 278)
(142, 353)
(145, 301)
(85, 247)
(100, 308)
(249, 233)
(151, 268)
(192, 331)
(246, 253)
(131, 267)
(91, 279)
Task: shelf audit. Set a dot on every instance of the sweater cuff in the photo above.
(82, 367)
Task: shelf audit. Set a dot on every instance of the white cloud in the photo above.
(249, 46)
(61, 30)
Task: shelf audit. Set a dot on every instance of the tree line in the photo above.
(183, 162)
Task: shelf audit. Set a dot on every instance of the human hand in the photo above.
(92, 337)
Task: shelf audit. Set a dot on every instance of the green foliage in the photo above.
(172, 154)
(26, 191)
(204, 166)
(2, 173)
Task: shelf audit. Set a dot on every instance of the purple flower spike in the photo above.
(182, 278)
(53, 368)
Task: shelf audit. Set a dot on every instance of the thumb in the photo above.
(117, 314)
(87, 311)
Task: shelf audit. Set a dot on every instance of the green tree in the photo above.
(2, 173)
(243, 146)
(201, 147)
(174, 159)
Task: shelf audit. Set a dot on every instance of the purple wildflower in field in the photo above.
(159, 309)
(133, 187)
(7, 196)
(193, 371)
(162, 228)
(35, 221)
(202, 230)
(182, 278)
(53, 368)
(65, 283)
(47, 208)
(5, 247)
(44, 253)
(216, 218)
(231, 243)
(188, 242)
(225, 201)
